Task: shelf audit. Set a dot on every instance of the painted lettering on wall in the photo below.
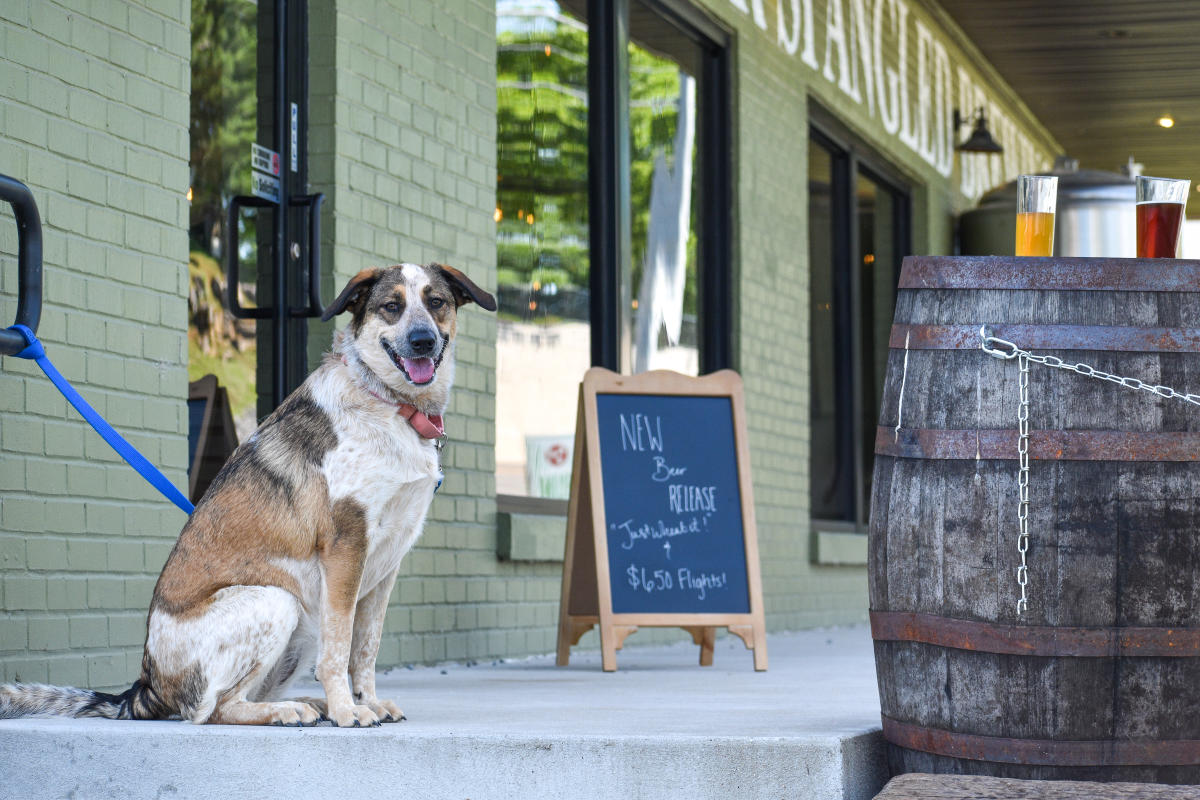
(866, 47)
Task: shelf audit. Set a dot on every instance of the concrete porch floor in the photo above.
(660, 726)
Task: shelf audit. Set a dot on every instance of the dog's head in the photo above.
(403, 323)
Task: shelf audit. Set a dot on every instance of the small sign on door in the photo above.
(265, 160)
(264, 186)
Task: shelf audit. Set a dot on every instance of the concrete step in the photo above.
(660, 726)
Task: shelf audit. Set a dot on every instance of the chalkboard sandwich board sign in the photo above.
(660, 523)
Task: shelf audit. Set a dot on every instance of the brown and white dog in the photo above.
(292, 553)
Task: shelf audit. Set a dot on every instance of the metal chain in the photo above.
(1023, 481)
(1002, 349)
(999, 348)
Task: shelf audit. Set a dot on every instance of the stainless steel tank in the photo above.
(1095, 215)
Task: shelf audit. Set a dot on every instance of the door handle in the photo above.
(231, 257)
(312, 202)
(29, 262)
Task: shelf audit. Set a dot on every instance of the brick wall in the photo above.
(93, 117)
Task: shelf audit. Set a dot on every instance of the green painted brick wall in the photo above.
(93, 117)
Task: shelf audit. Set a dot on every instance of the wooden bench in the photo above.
(919, 786)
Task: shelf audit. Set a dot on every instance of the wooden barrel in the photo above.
(1099, 679)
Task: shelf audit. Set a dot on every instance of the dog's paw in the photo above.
(353, 717)
(317, 704)
(295, 714)
(387, 711)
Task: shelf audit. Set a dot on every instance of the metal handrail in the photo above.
(29, 262)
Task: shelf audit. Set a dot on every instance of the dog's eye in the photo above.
(391, 306)
(436, 302)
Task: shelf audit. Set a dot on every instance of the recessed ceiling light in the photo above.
(1166, 121)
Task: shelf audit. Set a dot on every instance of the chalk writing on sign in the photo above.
(672, 504)
(661, 579)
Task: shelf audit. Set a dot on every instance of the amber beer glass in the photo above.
(1037, 196)
(1160, 203)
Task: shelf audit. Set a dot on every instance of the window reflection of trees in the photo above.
(542, 136)
(542, 190)
(224, 102)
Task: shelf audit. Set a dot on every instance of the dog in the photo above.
(290, 556)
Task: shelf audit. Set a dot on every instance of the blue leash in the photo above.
(34, 350)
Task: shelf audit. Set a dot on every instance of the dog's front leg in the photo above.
(368, 627)
(341, 557)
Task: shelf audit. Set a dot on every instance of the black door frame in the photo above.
(292, 282)
(289, 335)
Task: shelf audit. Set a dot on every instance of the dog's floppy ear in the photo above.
(464, 288)
(356, 292)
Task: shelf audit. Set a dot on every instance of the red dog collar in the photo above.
(429, 427)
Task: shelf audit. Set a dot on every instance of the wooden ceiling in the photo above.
(1099, 73)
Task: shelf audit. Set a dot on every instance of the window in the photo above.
(858, 223)
(612, 154)
(542, 241)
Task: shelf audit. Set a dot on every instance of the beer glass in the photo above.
(1160, 203)
(1037, 196)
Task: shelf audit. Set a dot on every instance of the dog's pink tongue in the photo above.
(419, 369)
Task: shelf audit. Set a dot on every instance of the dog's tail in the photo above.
(38, 700)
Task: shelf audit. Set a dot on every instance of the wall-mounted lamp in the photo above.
(980, 140)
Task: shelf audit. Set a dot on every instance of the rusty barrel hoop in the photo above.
(1100, 679)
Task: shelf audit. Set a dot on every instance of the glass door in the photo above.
(858, 232)
(831, 450)
(254, 235)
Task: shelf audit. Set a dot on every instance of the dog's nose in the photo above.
(422, 341)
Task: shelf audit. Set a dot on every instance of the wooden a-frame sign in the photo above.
(660, 523)
(212, 437)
